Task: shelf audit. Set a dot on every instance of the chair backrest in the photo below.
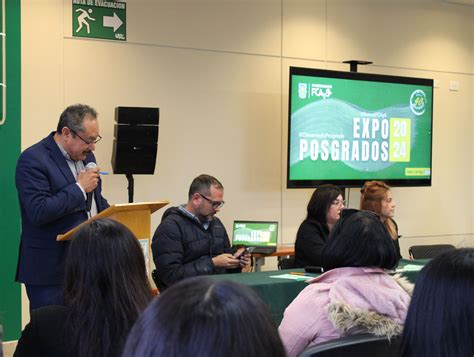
(429, 251)
(364, 345)
(286, 263)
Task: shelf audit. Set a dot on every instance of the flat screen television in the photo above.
(346, 128)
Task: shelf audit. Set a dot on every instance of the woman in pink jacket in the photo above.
(355, 295)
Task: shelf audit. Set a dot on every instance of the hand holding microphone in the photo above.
(89, 178)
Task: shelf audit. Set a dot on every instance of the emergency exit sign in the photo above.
(99, 19)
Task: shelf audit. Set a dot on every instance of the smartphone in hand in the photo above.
(247, 250)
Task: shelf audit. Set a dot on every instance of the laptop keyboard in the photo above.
(264, 250)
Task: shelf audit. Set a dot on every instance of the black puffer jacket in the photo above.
(182, 248)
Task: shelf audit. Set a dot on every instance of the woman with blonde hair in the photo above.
(376, 197)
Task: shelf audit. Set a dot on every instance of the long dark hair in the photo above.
(440, 320)
(203, 317)
(106, 287)
(320, 202)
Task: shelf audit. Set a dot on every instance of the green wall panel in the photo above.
(10, 146)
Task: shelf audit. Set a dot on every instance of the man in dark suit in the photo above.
(57, 191)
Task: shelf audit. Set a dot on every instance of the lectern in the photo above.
(136, 216)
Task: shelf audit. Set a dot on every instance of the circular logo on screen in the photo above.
(418, 102)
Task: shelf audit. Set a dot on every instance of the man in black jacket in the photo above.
(191, 241)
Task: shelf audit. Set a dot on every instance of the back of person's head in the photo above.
(106, 287)
(73, 117)
(202, 184)
(372, 194)
(202, 317)
(359, 239)
(440, 320)
(321, 200)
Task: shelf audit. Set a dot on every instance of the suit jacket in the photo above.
(47, 334)
(51, 203)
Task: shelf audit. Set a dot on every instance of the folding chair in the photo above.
(428, 251)
(365, 345)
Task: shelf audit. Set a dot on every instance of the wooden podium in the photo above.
(136, 216)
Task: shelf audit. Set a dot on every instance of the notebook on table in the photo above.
(259, 234)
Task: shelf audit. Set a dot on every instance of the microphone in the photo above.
(89, 166)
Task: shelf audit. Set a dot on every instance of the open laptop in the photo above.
(259, 234)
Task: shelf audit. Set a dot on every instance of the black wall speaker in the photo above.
(135, 140)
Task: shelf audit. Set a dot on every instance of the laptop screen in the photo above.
(255, 233)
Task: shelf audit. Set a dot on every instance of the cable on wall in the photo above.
(3, 84)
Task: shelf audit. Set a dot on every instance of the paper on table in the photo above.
(292, 277)
(410, 267)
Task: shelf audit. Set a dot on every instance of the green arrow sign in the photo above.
(99, 19)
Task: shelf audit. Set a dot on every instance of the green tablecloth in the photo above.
(276, 293)
(279, 293)
(411, 275)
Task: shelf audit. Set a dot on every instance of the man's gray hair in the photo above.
(73, 117)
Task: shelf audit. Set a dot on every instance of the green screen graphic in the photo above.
(346, 129)
(255, 233)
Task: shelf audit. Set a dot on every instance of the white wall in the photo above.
(218, 71)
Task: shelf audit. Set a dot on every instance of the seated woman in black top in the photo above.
(324, 210)
(106, 289)
(376, 197)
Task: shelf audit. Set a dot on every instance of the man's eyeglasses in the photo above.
(214, 204)
(85, 141)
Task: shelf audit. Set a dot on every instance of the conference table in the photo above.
(278, 293)
(282, 251)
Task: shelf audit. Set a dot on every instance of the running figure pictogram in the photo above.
(82, 19)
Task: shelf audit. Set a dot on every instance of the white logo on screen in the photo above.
(321, 90)
(316, 90)
(302, 90)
